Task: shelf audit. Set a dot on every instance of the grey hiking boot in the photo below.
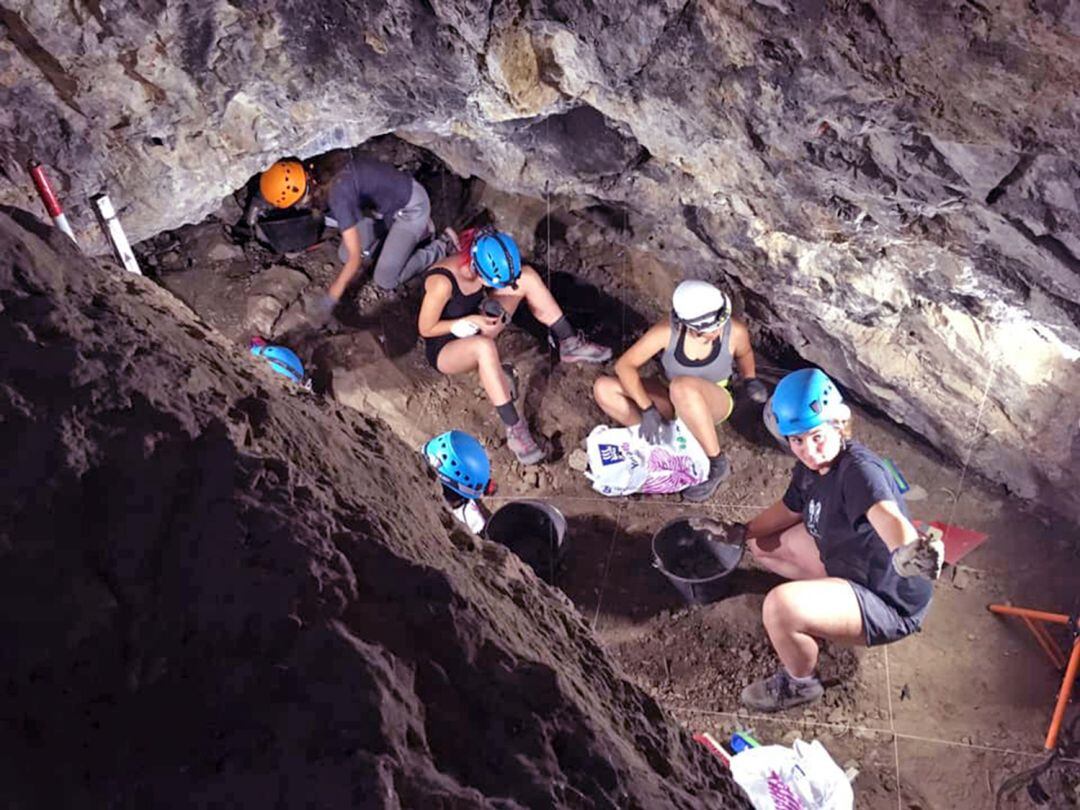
(577, 349)
(779, 692)
(719, 470)
(522, 444)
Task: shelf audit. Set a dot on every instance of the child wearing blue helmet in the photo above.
(860, 570)
(463, 467)
(469, 298)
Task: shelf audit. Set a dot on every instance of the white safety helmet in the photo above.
(700, 305)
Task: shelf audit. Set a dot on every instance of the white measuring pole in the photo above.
(115, 232)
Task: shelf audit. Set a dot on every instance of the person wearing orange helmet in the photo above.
(368, 187)
(363, 195)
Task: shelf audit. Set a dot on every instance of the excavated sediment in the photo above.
(220, 590)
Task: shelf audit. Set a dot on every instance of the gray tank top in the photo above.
(716, 367)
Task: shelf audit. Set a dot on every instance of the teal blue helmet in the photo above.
(283, 361)
(805, 399)
(496, 259)
(461, 463)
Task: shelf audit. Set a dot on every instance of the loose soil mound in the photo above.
(219, 590)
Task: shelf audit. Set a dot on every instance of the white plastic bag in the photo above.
(800, 778)
(621, 462)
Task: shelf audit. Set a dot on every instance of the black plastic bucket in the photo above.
(533, 530)
(291, 231)
(696, 556)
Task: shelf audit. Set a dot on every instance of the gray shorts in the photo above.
(881, 621)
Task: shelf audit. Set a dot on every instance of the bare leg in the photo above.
(796, 614)
(534, 292)
(480, 353)
(792, 553)
(612, 399)
(701, 404)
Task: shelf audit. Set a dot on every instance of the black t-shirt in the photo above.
(834, 509)
(366, 183)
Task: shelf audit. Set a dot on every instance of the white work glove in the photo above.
(464, 328)
(923, 557)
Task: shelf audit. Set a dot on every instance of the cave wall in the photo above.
(893, 184)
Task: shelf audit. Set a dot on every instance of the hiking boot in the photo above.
(719, 470)
(779, 692)
(577, 349)
(511, 380)
(522, 444)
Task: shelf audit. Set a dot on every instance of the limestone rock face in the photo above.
(219, 590)
(893, 185)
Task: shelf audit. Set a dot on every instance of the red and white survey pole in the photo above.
(48, 197)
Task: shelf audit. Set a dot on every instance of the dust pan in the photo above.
(959, 542)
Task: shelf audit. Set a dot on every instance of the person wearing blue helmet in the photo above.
(281, 359)
(469, 298)
(464, 469)
(860, 571)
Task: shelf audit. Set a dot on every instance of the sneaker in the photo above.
(577, 349)
(522, 444)
(719, 470)
(511, 380)
(779, 692)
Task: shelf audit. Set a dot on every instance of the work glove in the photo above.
(923, 557)
(654, 429)
(320, 309)
(756, 390)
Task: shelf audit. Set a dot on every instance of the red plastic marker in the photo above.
(707, 739)
(48, 197)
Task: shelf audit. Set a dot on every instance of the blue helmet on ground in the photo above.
(805, 399)
(496, 258)
(461, 463)
(283, 361)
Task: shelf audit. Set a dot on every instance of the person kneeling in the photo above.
(861, 572)
(699, 346)
(459, 324)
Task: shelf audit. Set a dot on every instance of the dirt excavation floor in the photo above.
(936, 721)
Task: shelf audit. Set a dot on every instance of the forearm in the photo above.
(348, 271)
(438, 328)
(745, 364)
(773, 520)
(630, 379)
(892, 527)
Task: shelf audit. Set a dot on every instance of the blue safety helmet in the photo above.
(805, 399)
(283, 361)
(496, 258)
(460, 462)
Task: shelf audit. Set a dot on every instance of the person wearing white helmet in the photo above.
(700, 346)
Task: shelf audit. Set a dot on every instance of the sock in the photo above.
(561, 329)
(809, 679)
(508, 413)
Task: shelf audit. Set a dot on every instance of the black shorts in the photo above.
(432, 347)
(881, 621)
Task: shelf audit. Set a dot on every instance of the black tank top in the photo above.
(459, 304)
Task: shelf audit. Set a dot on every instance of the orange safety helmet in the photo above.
(284, 183)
